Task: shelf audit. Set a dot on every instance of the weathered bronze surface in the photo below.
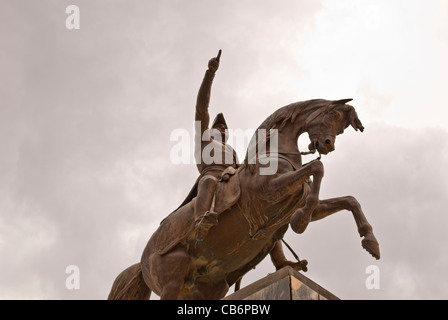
(235, 216)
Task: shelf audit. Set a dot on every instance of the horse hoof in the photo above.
(370, 244)
(298, 266)
(304, 265)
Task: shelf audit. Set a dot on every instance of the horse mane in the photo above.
(280, 117)
(289, 113)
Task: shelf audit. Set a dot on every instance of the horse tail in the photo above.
(129, 285)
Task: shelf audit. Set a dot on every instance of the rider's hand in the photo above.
(213, 64)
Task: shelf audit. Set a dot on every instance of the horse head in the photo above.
(324, 124)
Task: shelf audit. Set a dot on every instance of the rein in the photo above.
(297, 154)
(290, 249)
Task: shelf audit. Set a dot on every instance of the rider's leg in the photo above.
(204, 217)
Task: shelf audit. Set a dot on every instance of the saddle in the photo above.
(177, 227)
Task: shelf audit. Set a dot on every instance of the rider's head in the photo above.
(220, 124)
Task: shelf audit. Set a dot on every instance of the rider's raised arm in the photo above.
(203, 99)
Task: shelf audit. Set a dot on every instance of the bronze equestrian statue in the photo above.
(250, 212)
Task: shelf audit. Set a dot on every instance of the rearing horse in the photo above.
(250, 227)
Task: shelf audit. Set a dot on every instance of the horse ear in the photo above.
(343, 101)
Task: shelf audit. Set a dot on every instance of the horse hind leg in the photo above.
(211, 291)
(129, 285)
(168, 271)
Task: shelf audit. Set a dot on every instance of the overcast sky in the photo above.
(86, 117)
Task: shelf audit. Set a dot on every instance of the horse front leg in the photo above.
(302, 217)
(329, 206)
(289, 183)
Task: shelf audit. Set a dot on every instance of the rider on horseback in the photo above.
(211, 169)
(212, 155)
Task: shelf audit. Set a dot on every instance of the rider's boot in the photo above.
(204, 223)
(204, 203)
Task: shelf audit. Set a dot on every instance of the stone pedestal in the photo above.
(285, 284)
